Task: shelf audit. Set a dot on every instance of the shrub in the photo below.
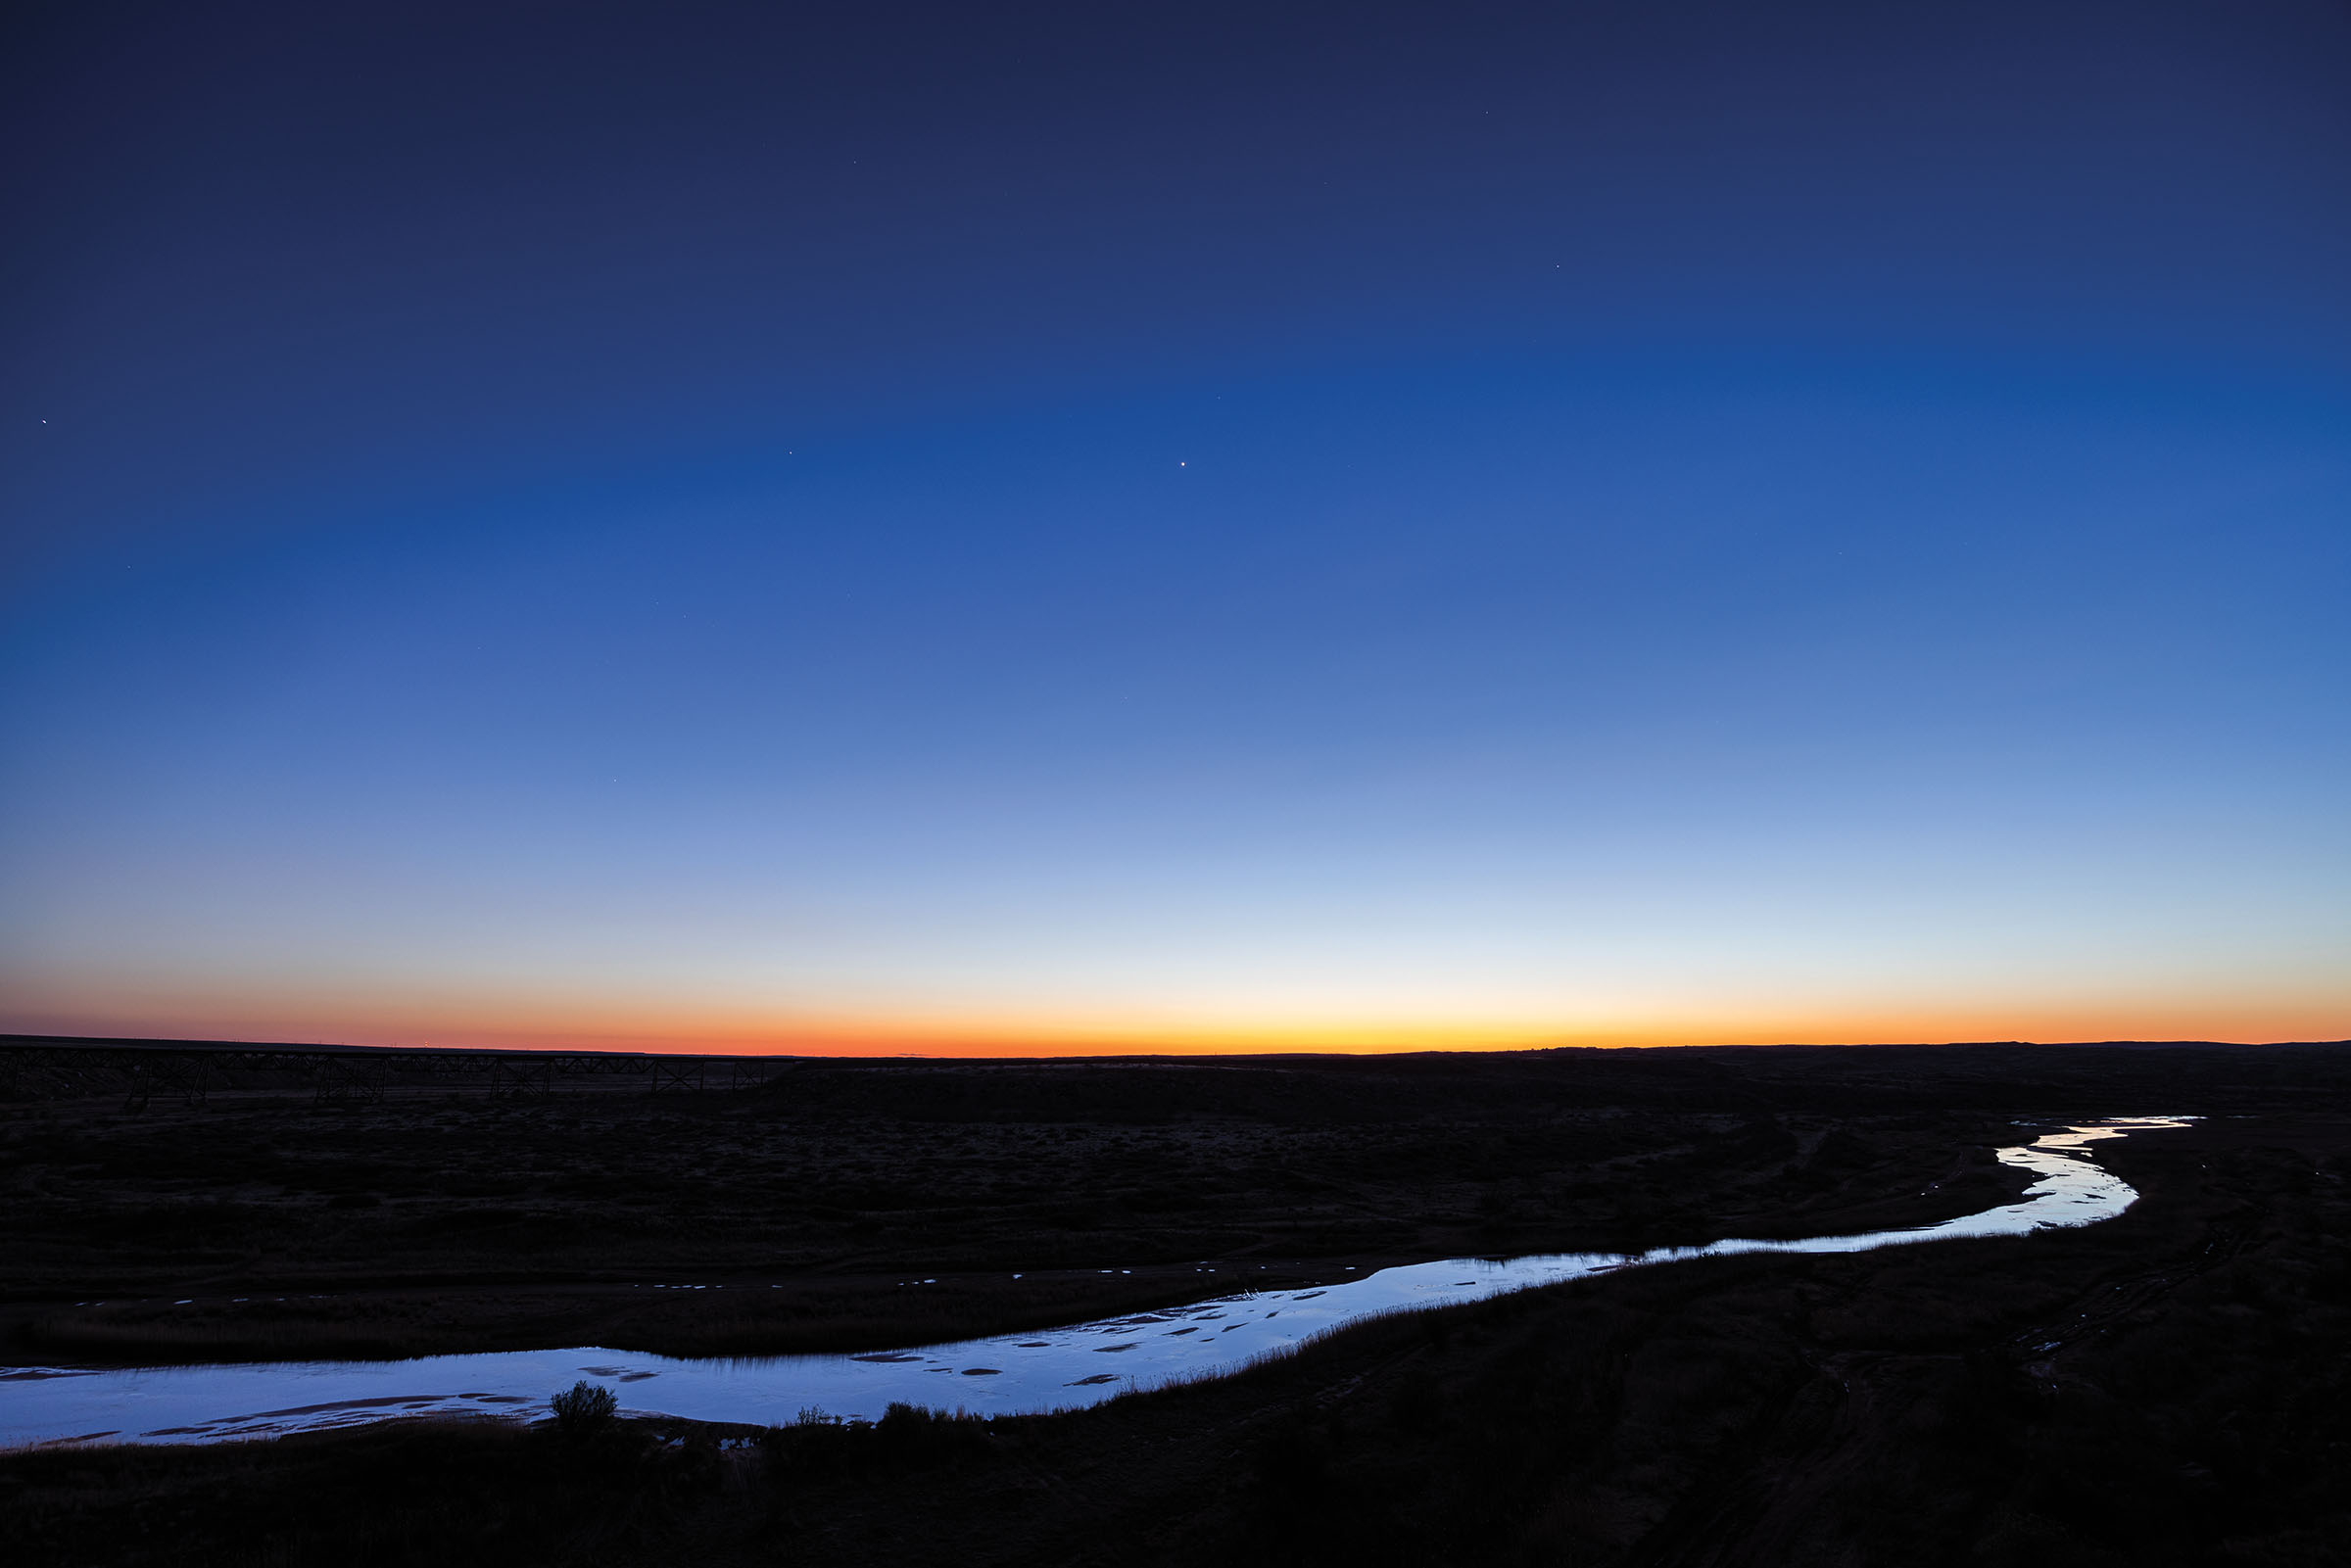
(584, 1408)
(910, 1436)
(906, 1438)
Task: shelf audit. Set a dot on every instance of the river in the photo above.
(1054, 1370)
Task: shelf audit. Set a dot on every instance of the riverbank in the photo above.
(754, 1315)
(2168, 1387)
(856, 1207)
(1060, 1368)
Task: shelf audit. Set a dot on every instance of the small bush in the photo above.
(909, 1436)
(906, 1438)
(583, 1408)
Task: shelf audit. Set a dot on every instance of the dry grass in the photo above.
(2196, 1410)
(809, 1210)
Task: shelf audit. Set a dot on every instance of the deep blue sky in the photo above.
(1040, 525)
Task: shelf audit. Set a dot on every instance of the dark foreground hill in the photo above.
(2170, 1387)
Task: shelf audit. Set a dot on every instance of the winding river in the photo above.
(1056, 1369)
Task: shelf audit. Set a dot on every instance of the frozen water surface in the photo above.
(1060, 1368)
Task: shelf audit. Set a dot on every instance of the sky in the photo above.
(1032, 528)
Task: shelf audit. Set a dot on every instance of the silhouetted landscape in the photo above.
(1007, 761)
(2169, 1385)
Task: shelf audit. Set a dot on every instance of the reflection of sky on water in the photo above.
(1008, 1373)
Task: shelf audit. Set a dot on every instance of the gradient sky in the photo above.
(1030, 526)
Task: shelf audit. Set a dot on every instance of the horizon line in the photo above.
(11, 1040)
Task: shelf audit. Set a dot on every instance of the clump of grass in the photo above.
(583, 1408)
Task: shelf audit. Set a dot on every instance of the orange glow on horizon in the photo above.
(513, 1029)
